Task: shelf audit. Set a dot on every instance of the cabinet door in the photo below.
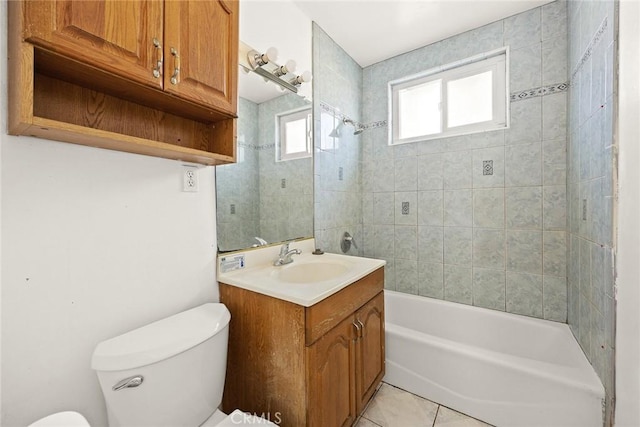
(113, 35)
(369, 350)
(330, 378)
(201, 52)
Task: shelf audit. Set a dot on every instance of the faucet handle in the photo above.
(346, 242)
(284, 249)
(261, 241)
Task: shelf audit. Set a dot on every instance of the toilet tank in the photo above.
(169, 373)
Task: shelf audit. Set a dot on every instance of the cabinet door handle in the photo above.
(361, 327)
(157, 70)
(358, 329)
(176, 66)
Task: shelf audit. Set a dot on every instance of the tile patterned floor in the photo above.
(393, 407)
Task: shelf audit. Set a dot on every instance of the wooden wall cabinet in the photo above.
(305, 366)
(145, 76)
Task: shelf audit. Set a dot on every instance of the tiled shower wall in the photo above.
(337, 92)
(592, 97)
(451, 229)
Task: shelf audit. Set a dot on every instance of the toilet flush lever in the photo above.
(134, 381)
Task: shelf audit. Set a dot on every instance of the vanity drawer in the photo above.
(323, 316)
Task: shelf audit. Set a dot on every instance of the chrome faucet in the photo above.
(285, 255)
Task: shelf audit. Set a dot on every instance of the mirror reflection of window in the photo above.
(293, 133)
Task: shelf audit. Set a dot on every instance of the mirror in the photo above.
(268, 193)
(261, 195)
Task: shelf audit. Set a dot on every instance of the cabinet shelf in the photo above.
(54, 97)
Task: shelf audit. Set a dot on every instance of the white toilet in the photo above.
(62, 419)
(170, 372)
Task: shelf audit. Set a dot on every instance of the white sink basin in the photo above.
(306, 281)
(309, 272)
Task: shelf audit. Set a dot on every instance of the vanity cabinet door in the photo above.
(201, 52)
(330, 377)
(116, 36)
(369, 350)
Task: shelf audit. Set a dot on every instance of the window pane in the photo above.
(296, 136)
(419, 110)
(470, 100)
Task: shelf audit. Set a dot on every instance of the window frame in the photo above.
(497, 61)
(281, 140)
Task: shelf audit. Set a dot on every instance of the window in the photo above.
(293, 133)
(464, 97)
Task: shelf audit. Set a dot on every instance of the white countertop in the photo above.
(259, 275)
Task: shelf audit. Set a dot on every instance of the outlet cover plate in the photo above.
(189, 179)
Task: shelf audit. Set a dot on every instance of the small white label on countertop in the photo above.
(231, 262)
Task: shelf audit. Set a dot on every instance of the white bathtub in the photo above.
(505, 369)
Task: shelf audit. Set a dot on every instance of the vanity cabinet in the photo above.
(145, 76)
(305, 366)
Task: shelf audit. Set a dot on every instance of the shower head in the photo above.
(358, 127)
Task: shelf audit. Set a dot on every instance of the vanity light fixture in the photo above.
(266, 75)
(257, 59)
(302, 78)
(265, 66)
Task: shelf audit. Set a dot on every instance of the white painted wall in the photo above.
(628, 250)
(94, 243)
(3, 107)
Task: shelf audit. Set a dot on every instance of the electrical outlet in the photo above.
(189, 178)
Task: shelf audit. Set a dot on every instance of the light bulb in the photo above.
(302, 78)
(287, 68)
(290, 65)
(270, 55)
(256, 59)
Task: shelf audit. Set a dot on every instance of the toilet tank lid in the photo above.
(161, 339)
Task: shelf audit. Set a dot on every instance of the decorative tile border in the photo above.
(256, 147)
(378, 124)
(587, 54)
(540, 91)
(333, 111)
(327, 108)
(337, 114)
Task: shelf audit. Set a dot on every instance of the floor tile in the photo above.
(393, 407)
(363, 422)
(449, 418)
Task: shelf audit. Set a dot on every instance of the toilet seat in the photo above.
(217, 419)
(62, 419)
